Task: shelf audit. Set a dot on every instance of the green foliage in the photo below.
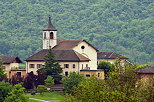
(2, 74)
(125, 27)
(5, 88)
(41, 89)
(49, 81)
(119, 87)
(16, 95)
(106, 66)
(72, 80)
(52, 67)
(148, 90)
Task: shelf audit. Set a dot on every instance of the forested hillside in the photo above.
(122, 26)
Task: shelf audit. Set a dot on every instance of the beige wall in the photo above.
(8, 70)
(78, 66)
(23, 73)
(94, 73)
(88, 52)
(28, 69)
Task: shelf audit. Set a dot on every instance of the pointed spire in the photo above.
(50, 27)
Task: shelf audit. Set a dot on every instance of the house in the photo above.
(145, 73)
(72, 55)
(11, 66)
(110, 57)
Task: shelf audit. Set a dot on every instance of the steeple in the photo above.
(50, 27)
(49, 35)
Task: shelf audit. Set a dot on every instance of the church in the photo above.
(72, 55)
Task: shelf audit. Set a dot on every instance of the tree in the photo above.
(49, 81)
(40, 79)
(41, 89)
(2, 74)
(106, 66)
(72, 80)
(15, 79)
(30, 82)
(5, 88)
(16, 95)
(118, 87)
(52, 67)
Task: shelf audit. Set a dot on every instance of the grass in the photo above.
(30, 100)
(46, 96)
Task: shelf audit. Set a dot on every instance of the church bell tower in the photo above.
(49, 35)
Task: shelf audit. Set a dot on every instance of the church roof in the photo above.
(50, 27)
(109, 55)
(60, 55)
(10, 59)
(146, 70)
(69, 44)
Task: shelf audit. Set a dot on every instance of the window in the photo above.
(82, 66)
(86, 65)
(73, 65)
(31, 66)
(66, 73)
(44, 35)
(18, 73)
(87, 75)
(99, 74)
(39, 66)
(82, 47)
(66, 65)
(51, 35)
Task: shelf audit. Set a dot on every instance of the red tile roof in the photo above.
(60, 55)
(10, 59)
(146, 70)
(69, 44)
(109, 55)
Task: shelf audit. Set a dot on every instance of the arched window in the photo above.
(51, 35)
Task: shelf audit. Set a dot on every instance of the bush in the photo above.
(49, 81)
(41, 89)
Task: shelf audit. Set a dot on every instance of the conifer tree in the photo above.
(52, 67)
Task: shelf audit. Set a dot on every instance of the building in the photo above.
(72, 55)
(110, 57)
(145, 73)
(11, 66)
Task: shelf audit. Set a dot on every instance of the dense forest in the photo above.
(121, 26)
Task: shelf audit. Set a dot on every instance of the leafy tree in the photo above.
(49, 81)
(72, 80)
(40, 79)
(106, 66)
(16, 95)
(147, 91)
(30, 82)
(15, 79)
(41, 89)
(5, 88)
(52, 67)
(118, 87)
(2, 74)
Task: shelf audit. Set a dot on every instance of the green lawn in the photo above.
(46, 96)
(30, 100)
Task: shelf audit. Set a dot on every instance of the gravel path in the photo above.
(43, 100)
